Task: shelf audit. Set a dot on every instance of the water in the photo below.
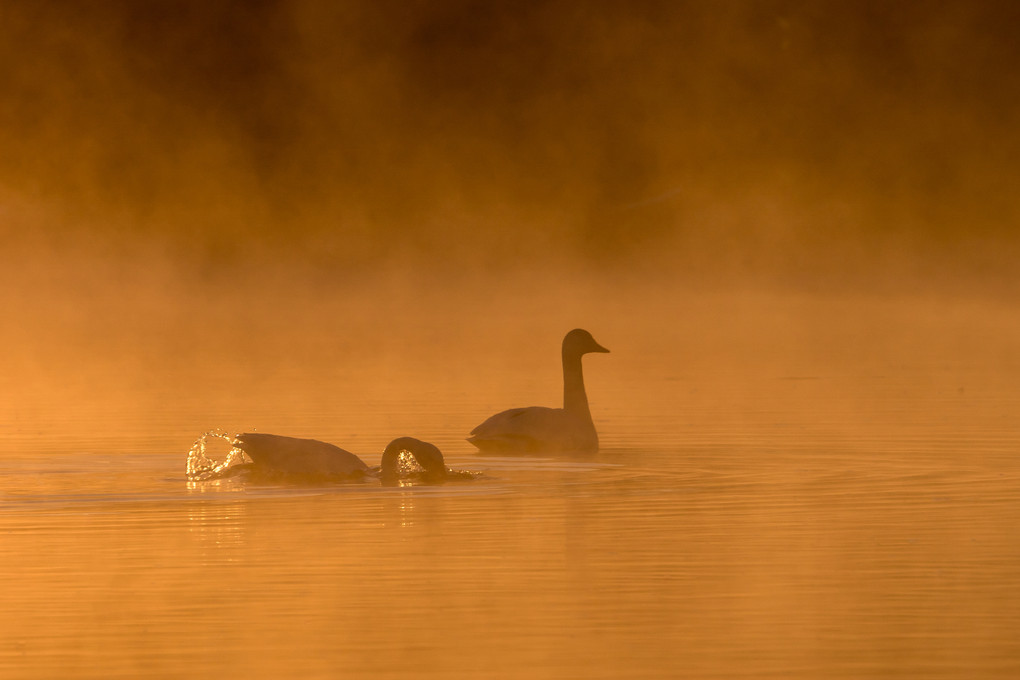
(786, 488)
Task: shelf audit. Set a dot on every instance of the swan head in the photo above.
(579, 341)
(428, 456)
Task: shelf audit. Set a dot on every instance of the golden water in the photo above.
(786, 489)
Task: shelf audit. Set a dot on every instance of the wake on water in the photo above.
(202, 467)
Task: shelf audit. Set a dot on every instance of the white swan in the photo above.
(539, 429)
(275, 454)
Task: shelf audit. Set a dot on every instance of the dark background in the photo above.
(806, 141)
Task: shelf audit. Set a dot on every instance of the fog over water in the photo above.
(794, 225)
(179, 178)
(775, 138)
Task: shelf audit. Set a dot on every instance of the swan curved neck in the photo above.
(575, 400)
(390, 461)
(427, 455)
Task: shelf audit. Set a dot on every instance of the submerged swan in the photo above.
(293, 456)
(273, 454)
(538, 428)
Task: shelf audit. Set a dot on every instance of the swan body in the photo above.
(536, 429)
(276, 454)
(290, 455)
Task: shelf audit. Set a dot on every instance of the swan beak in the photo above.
(599, 348)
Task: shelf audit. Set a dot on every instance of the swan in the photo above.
(538, 428)
(276, 454)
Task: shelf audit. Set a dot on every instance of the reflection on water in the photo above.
(221, 527)
(789, 517)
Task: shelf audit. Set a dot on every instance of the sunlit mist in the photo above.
(793, 224)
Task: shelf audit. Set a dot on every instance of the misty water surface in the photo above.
(800, 487)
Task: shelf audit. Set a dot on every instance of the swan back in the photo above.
(290, 455)
(535, 429)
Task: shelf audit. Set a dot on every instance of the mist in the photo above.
(792, 224)
(200, 184)
(777, 141)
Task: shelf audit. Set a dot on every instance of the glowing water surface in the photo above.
(851, 512)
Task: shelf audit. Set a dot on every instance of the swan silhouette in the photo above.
(290, 456)
(542, 429)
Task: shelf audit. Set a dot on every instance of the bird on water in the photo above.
(274, 454)
(536, 429)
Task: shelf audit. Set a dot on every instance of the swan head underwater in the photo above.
(277, 456)
(537, 429)
(428, 456)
